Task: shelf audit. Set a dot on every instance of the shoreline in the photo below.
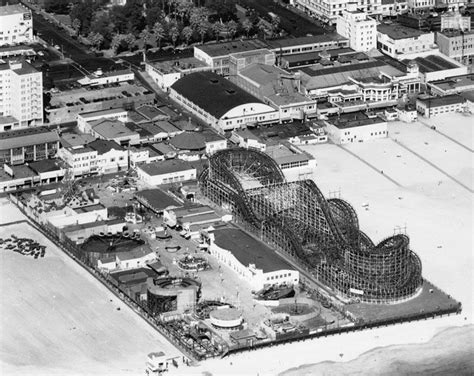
(426, 358)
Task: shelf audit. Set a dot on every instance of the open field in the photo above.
(57, 319)
(438, 219)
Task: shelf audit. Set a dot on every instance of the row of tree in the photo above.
(145, 23)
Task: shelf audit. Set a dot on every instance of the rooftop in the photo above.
(399, 32)
(458, 82)
(202, 89)
(457, 33)
(110, 129)
(188, 141)
(177, 66)
(290, 42)
(226, 48)
(19, 172)
(432, 63)
(26, 137)
(150, 112)
(442, 101)
(112, 111)
(165, 167)
(104, 146)
(283, 154)
(75, 139)
(157, 199)
(89, 208)
(249, 250)
(46, 165)
(7, 10)
(354, 119)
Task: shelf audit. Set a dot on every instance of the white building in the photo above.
(165, 172)
(136, 258)
(355, 127)
(166, 73)
(21, 95)
(251, 259)
(397, 40)
(111, 157)
(101, 78)
(235, 108)
(16, 25)
(246, 139)
(82, 160)
(434, 106)
(112, 114)
(421, 4)
(360, 29)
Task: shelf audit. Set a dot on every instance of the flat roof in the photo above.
(46, 165)
(398, 32)
(150, 112)
(89, 208)
(75, 139)
(104, 146)
(203, 88)
(158, 199)
(458, 82)
(294, 42)
(8, 120)
(112, 111)
(354, 119)
(249, 250)
(7, 10)
(165, 167)
(442, 101)
(26, 137)
(432, 63)
(108, 128)
(188, 141)
(282, 154)
(178, 65)
(227, 48)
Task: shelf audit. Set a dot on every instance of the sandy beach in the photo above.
(56, 319)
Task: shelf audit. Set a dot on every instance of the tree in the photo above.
(153, 15)
(174, 34)
(159, 32)
(275, 24)
(76, 25)
(83, 12)
(232, 28)
(122, 42)
(262, 26)
(247, 26)
(187, 34)
(57, 6)
(202, 29)
(145, 36)
(95, 39)
(198, 16)
(217, 29)
(183, 7)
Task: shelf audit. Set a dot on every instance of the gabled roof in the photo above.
(212, 93)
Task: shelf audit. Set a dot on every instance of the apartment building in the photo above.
(360, 29)
(16, 25)
(457, 44)
(21, 95)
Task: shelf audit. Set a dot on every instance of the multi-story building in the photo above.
(360, 29)
(433, 106)
(278, 88)
(16, 25)
(457, 44)
(21, 96)
(455, 21)
(28, 145)
(420, 4)
(397, 40)
(451, 5)
(82, 160)
(111, 157)
(328, 11)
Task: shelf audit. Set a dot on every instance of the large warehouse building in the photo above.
(235, 108)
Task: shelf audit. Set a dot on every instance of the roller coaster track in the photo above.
(388, 270)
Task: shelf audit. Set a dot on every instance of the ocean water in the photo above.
(450, 352)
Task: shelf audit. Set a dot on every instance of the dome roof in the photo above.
(188, 141)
